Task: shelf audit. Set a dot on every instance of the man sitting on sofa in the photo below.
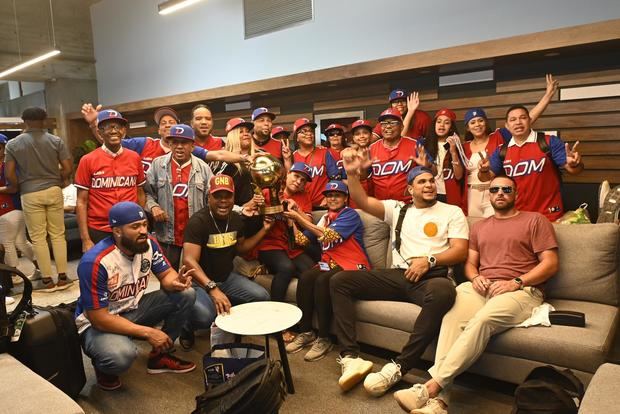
(511, 255)
(433, 238)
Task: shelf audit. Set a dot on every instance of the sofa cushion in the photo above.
(602, 393)
(588, 263)
(376, 238)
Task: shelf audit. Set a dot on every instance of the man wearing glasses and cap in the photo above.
(428, 237)
(418, 120)
(511, 256)
(263, 122)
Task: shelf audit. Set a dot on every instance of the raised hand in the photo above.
(552, 85)
(89, 112)
(351, 161)
(413, 101)
(286, 149)
(420, 158)
(573, 158)
(484, 166)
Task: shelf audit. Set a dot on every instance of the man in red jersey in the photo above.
(536, 170)
(392, 158)
(202, 122)
(106, 176)
(418, 120)
(263, 121)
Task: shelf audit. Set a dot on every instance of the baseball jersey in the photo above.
(271, 146)
(538, 180)
(180, 191)
(419, 128)
(211, 143)
(338, 158)
(322, 169)
(151, 148)
(110, 279)
(348, 250)
(8, 202)
(277, 238)
(108, 178)
(390, 167)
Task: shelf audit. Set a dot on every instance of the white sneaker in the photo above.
(353, 370)
(301, 341)
(377, 383)
(320, 348)
(412, 398)
(433, 406)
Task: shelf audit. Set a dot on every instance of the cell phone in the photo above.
(446, 146)
(285, 205)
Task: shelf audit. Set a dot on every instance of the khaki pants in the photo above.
(44, 214)
(468, 326)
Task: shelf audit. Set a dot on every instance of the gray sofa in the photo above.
(588, 282)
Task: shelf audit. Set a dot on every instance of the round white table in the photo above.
(263, 318)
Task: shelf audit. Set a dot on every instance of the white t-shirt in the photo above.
(69, 196)
(425, 231)
(441, 156)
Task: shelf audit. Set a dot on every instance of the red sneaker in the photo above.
(166, 362)
(107, 382)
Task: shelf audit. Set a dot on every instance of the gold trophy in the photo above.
(267, 172)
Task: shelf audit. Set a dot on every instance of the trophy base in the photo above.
(272, 210)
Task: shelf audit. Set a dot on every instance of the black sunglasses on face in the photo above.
(333, 134)
(505, 190)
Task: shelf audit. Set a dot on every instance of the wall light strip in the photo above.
(171, 6)
(29, 62)
(590, 92)
(465, 78)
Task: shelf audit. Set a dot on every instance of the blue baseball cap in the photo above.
(301, 167)
(125, 212)
(414, 172)
(398, 94)
(336, 186)
(262, 111)
(474, 113)
(3, 139)
(181, 131)
(108, 114)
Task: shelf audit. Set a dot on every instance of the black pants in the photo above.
(435, 296)
(283, 269)
(97, 235)
(173, 254)
(313, 295)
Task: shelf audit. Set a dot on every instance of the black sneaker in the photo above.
(187, 339)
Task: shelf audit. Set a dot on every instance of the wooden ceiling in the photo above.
(73, 37)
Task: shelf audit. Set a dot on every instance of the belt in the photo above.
(479, 187)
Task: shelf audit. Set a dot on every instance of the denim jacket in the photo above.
(158, 190)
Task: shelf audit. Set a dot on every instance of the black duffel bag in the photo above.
(256, 389)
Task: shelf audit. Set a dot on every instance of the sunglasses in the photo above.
(505, 190)
(334, 133)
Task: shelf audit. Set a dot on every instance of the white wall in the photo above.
(142, 55)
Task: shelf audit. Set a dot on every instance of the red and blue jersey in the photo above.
(180, 191)
(110, 279)
(8, 202)
(271, 146)
(536, 174)
(348, 251)
(150, 148)
(419, 125)
(277, 238)
(390, 168)
(322, 169)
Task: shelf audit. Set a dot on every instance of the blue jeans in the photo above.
(239, 289)
(113, 354)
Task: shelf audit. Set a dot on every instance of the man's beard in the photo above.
(135, 247)
(508, 206)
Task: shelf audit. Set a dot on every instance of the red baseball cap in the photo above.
(391, 113)
(221, 182)
(332, 127)
(446, 112)
(279, 130)
(302, 122)
(361, 123)
(236, 123)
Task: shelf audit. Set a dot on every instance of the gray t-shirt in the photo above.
(37, 154)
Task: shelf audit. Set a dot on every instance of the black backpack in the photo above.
(548, 390)
(257, 388)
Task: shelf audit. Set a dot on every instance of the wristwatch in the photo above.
(519, 282)
(210, 286)
(432, 261)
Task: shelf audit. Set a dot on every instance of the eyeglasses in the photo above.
(505, 190)
(389, 123)
(334, 133)
(109, 126)
(305, 131)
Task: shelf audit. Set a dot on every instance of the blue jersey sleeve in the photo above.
(347, 222)
(200, 152)
(422, 141)
(134, 144)
(505, 134)
(496, 163)
(93, 284)
(333, 172)
(159, 262)
(558, 151)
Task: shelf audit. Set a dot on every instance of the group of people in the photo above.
(184, 206)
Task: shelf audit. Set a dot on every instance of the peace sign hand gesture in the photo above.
(573, 158)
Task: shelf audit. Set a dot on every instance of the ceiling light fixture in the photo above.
(171, 6)
(36, 59)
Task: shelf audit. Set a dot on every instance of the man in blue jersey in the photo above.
(113, 307)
